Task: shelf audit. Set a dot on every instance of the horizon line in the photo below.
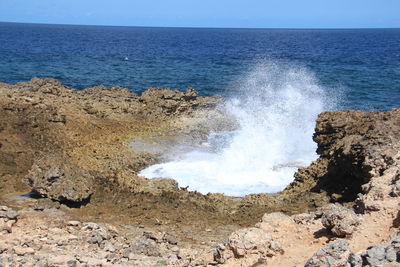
(204, 27)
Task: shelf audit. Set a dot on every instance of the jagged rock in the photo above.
(253, 241)
(340, 221)
(380, 255)
(337, 253)
(146, 247)
(113, 92)
(304, 218)
(55, 178)
(8, 217)
(167, 102)
(45, 203)
(170, 238)
(396, 185)
(45, 85)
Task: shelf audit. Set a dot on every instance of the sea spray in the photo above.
(275, 106)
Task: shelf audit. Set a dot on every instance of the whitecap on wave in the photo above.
(275, 106)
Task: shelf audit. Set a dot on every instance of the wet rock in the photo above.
(55, 178)
(337, 253)
(340, 221)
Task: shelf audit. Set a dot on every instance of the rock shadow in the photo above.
(343, 180)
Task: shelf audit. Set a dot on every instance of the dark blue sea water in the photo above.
(363, 65)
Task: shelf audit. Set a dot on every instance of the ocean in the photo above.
(276, 82)
(362, 64)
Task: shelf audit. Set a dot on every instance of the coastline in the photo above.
(86, 135)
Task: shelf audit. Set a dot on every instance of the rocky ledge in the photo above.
(71, 150)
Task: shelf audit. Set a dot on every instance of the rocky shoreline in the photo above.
(73, 150)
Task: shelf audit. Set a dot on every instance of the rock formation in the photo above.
(74, 150)
(359, 167)
(59, 180)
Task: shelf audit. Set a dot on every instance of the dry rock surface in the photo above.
(58, 180)
(49, 238)
(78, 154)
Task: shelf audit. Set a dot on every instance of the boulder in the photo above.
(340, 221)
(336, 253)
(60, 180)
(253, 241)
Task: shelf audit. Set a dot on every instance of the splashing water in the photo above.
(275, 108)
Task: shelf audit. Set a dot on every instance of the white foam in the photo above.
(276, 107)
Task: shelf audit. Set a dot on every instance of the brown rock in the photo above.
(55, 178)
(253, 241)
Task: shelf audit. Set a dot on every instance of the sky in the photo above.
(208, 13)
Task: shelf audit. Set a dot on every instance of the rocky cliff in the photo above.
(73, 151)
(359, 170)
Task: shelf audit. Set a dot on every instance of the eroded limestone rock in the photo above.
(59, 180)
(340, 221)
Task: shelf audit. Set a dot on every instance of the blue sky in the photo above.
(208, 13)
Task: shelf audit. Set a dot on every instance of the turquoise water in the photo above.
(362, 67)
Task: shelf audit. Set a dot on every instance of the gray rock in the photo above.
(376, 252)
(146, 247)
(337, 253)
(96, 238)
(11, 214)
(355, 260)
(109, 247)
(391, 254)
(340, 221)
(170, 238)
(380, 256)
